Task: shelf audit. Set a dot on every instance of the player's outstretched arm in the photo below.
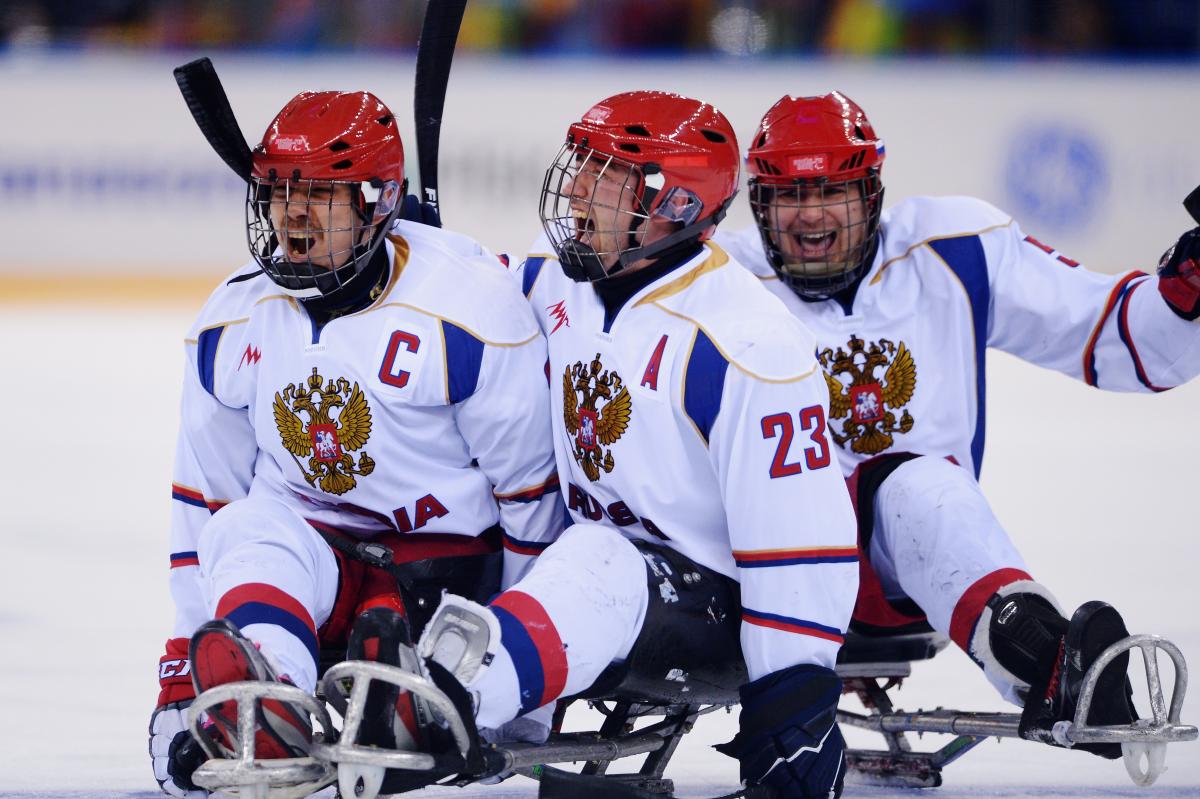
(1126, 332)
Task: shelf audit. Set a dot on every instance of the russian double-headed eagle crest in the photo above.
(594, 425)
(327, 439)
(868, 405)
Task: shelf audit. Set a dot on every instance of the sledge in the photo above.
(648, 717)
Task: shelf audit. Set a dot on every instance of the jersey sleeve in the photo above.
(1112, 331)
(214, 464)
(790, 521)
(505, 421)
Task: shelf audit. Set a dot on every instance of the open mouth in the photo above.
(299, 246)
(585, 227)
(815, 245)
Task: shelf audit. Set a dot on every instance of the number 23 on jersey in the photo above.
(781, 426)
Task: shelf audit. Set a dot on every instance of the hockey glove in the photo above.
(413, 210)
(1179, 276)
(174, 753)
(789, 740)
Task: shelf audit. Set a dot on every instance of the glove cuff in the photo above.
(175, 673)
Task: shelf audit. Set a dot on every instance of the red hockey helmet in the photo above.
(326, 184)
(660, 155)
(816, 192)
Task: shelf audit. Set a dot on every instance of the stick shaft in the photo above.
(435, 52)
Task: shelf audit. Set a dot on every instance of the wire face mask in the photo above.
(313, 236)
(818, 234)
(594, 211)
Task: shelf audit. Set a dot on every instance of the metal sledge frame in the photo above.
(1144, 745)
(616, 739)
(245, 776)
(897, 765)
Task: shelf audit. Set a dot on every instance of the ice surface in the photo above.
(1098, 490)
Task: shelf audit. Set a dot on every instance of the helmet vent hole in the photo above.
(343, 164)
(630, 148)
(712, 136)
(858, 133)
(761, 140)
(767, 167)
(338, 146)
(636, 130)
(385, 120)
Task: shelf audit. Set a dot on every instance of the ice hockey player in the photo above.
(690, 434)
(904, 304)
(362, 379)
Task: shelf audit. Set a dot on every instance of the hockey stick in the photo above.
(1192, 204)
(435, 51)
(205, 98)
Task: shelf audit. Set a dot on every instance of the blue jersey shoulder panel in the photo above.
(529, 274)
(464, 359)
(703, 383)
(966, 258)
(206, 356)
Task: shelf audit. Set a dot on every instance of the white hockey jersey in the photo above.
(425, 412)
(952, 277)
(698, 419)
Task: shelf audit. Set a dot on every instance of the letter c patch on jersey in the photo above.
(389, 373)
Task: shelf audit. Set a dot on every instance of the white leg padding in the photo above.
(261, 541)
(935, 535)
(582, 605)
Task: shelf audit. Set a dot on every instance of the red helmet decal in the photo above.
(817, 163)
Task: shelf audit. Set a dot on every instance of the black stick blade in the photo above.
(435, 52)
(206, 99)
(1192, 204)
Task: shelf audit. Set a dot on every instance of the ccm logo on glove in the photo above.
(173, 668)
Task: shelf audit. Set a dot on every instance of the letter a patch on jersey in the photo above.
(650, 376)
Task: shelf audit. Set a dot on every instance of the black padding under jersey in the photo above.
(689, 649)
(871, 475)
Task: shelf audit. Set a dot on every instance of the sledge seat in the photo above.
(887, 655)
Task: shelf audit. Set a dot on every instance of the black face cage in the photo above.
(591, 236)
(332, 259)
(776, 207)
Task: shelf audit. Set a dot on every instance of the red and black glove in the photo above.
(174, 753)
(1179, 276)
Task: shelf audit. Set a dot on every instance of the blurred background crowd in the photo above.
(1142, 29)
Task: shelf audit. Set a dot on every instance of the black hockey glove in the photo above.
(789, 740)
(1179, 276)
(174, 753)
(413, 210)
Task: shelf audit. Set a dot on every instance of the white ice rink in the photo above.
(1101, 493)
